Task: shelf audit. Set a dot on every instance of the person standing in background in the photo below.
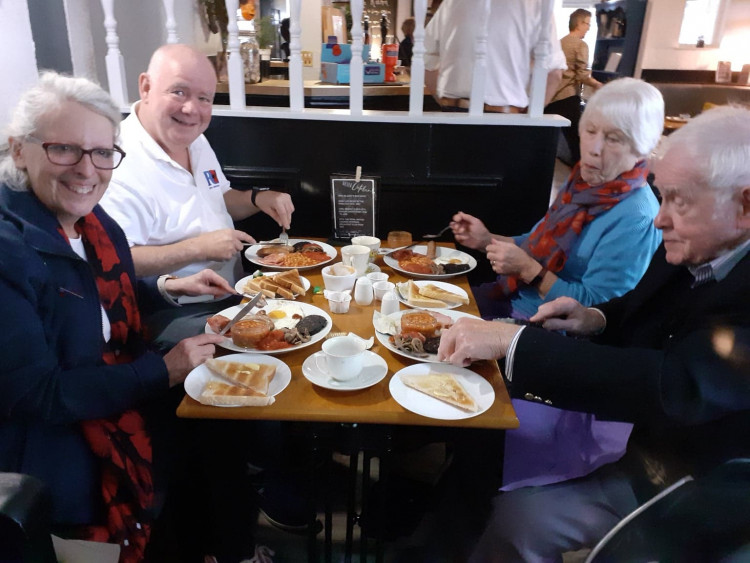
(567, 100)
(514, 29)
(407, 44)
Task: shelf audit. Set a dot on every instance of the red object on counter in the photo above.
(390, 60)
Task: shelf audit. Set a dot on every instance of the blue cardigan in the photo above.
(51, 370)
(608, 258)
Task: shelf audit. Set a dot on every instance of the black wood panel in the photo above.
(501, 174)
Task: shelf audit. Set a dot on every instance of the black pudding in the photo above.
(313, 324)
(455, 268)
(432, 344)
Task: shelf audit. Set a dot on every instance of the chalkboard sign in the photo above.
(354, 204)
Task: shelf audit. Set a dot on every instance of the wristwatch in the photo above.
(538, 278)
(255, 194)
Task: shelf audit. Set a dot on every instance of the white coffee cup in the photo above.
(356, 256)
(380, 288)
(373, 243)
(341, 357)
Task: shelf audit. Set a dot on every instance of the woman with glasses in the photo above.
(77, 384)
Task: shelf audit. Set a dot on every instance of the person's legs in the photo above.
(537, 524)
(570, 108)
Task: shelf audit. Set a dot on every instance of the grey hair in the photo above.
(46, 95)
(715, 147)
(633, 106)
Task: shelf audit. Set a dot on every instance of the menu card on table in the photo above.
(354, 205)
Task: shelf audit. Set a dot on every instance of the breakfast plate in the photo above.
(402, 293)
(374, 369)
(240, 285)
(420, 403)
(288, 308)
(394, 319)
(443, 256)
(251, 253)
(201, 375)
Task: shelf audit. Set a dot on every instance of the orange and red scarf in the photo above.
(577, 204)
(121, 442)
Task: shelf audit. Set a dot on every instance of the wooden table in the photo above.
(303, 401)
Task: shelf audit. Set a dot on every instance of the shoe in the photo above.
(285, 507)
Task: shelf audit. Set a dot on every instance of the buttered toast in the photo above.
(218, 393)
(248, 375)
(442, 386)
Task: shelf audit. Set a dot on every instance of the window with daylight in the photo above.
(700, 23)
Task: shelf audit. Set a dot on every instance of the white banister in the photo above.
(118, 88)
(356, 77)
(476, 103)
(235, 73)
(171, 23)
(542, 52)
(416, 82)
(296, 81)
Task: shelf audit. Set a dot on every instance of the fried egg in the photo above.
(284, 314)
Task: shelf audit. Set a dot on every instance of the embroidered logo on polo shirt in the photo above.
(211, 177)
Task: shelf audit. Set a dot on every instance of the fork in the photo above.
(438, 235)
(283, 237)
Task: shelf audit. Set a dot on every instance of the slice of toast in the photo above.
(291, 280)
(250, 376)
(416, 299)
(442, 386)
(219, 393)
(435, 292)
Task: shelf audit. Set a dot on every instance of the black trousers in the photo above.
(569, 108)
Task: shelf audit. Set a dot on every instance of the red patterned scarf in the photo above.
(122, 442)
(577, 204)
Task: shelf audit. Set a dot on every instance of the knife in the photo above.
(244, 311)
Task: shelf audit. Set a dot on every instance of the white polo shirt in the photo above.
(157, 202)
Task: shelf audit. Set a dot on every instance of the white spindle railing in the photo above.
(416, 88)
(296, 80)
(118, 87)
(171, 23)
(476, 102)
(356, 77)
(235, 73)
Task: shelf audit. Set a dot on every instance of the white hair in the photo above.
(633, 106)
(47, 95)
(715, 146)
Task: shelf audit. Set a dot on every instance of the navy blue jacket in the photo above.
(51, 370)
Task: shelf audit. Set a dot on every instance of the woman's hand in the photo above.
(508, 259)
(474, 339)
(565, 313)
(188, 354)
(470, 231)
(205, 282)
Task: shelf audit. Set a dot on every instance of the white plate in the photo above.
(421, 403)
(197, 379)
(432, 358)
(442, 285)
(443, 253)
(240, 285)
(373, 371)
(307, 309)
(252, 256)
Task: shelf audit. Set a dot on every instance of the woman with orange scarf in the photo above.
(593, 244)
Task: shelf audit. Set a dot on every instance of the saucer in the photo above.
(374, 369)
(372, 268)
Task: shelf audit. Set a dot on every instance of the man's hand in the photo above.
(219, 246)
(475, 339)
(188, 354)
(278, 205)
(509, 259)
(205, 282)
(470, 231)
(565, 313)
